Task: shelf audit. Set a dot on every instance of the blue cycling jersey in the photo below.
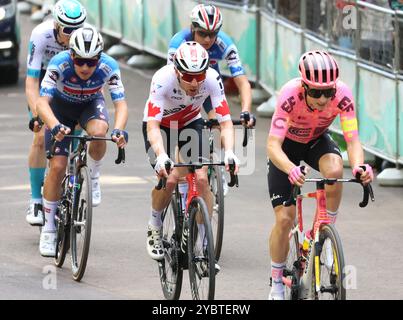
(62, 82)
(223, 48)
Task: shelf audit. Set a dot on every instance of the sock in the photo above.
(36, 201)
(155, 218)
(277, 277)
(76, 132)
(332, 216)
(49, 209)
(183, 190)
(37, 175)
(201, 239)
(95, 166)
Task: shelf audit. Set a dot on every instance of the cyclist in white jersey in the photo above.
(47, 39)
(176, 96)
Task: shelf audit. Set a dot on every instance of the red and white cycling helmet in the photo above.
(191, 57)
(318, 69)
(207, 17)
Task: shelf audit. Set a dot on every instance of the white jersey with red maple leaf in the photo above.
(170, 105)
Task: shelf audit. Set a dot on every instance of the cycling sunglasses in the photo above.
(82, 61)
(188, 77)
(205, 34)
(317, 93)
(67, 30)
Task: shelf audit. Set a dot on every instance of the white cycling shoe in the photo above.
(276, 296)
(96, 192)
(47, 244)
(154, 243)
(35, 215)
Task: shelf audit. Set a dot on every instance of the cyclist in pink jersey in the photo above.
(299, 132)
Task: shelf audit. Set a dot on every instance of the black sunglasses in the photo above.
(205, 34)
(317, 93)
(82, 61)
(67, 30)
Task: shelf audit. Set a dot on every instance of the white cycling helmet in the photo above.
(207, 17)
(69, 13)
(191, 57)
(86, 42)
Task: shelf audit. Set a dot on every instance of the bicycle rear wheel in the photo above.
(292, 269)
(80, 230)
(217, 218)
(331, 265)
(201, 252)
(63, 225)
(170, 269)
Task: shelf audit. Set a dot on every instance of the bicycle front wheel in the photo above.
(217, 218)
(80, 230)
(201, 252)
(331, 265)
(170, 269)
(291, 273)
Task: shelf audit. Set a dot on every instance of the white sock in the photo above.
(277, 277)
(332, 216)
(95, 167)
(155, 218)
(49, 209)
(183, 190)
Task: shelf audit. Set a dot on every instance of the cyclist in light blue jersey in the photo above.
(71, 93)
(205, 29)
(47, 39)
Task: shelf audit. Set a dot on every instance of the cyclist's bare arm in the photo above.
(227, 135)
(32, 93)
(277, 155)
(155, 137)
(121, 114)
(45, 112)
(245, 92)
(355, 152)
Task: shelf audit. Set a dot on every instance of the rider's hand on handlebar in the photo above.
(35, 124)
(59, 131)
(248, 119)
(230, 157)
(297, 175)
(366, 173)
(160, 165)
(121, 137)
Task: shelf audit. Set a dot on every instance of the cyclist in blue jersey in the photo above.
(70, 94)
(205, 29)
(47, 39)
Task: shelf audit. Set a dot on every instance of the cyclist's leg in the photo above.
(37, 167)
(94, 119)
(325, 156)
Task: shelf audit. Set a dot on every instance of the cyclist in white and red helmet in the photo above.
(299, 131)
(172, 118)
(206, 23)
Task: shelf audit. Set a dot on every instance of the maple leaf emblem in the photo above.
(153, 110)
(223, 109)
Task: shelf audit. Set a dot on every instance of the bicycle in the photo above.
(315, 266)
(74, 213)
(184, 247)
(216, 183)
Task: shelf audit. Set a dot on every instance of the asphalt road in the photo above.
(119, 267)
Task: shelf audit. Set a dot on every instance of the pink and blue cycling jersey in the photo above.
(296, 121)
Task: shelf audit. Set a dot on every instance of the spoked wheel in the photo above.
(217, 218)
(331, 265)
(291, 273)
(171, 271)
(201, 252)
(81, 223)
(62, 226)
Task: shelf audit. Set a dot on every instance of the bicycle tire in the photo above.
(201, 259)
(336, 279)
(292, 271)
(170, 265)
(217, 218)
(82, 210)
(62, 226)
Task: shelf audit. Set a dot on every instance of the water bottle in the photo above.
(306, 242)
(71, 181)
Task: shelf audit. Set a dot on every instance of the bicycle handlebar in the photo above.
(121, 151)
(211, 123)
(367, 189)
(163, 181)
